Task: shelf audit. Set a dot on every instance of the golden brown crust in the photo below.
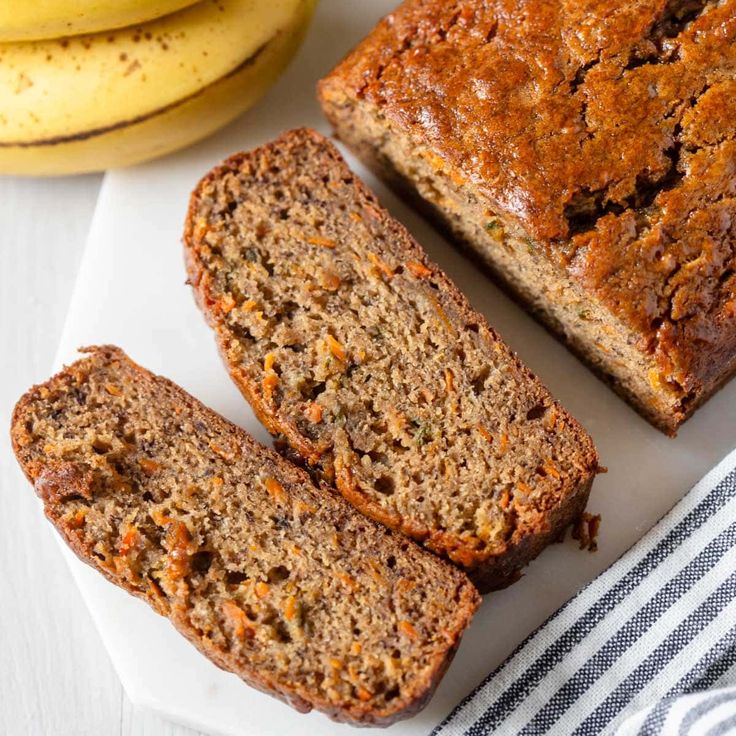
(603, 129)
(55, 481)
(488, 568)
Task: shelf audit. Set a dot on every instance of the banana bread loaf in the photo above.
(585, 152)
(278, 581)
(350, 343)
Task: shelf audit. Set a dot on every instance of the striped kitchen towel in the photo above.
(649, 647)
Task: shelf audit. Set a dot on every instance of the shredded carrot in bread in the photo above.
(249, 305)
(270, 380)
(375, 571)
(505, 498)
(407, 628)
(217, 481)
(418, 269)
(303, 508)
(178, 541)
(324, 242)
(291, 608)
(129, 541)
(449, 381)
(113, 390)
(551, 469)
(405, 585)
(336, 348)
(155, 592)
(80, 376)
(275, 489)
(149, 466)
(262, 589)
(356, 647)
(372, 210)
(160, 519)
(351, 582)
(485, 433)
(330, 281)
(313, 412)
(242, 627)
(226, 304)
(355, 216)
(77, 521)
(221, 451)
(364, 694)
(523, 486)
(269, 383)
(386, 270)
(201, 228)
(442, 314)
(504, 443)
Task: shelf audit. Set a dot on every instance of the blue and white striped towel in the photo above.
(649, 647)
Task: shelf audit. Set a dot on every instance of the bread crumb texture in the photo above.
(274, 579)
(353, 345)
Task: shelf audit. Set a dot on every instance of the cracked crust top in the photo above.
(604, 128)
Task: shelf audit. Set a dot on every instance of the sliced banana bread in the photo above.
(272, 578)
(585, 152)
(348, 341)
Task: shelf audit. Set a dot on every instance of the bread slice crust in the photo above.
(391, 263)
(193, 544)
(590, 171)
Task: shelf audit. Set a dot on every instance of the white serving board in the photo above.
(131, 292)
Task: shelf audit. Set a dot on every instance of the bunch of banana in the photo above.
(154, 84)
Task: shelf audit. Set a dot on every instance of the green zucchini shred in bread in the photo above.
(272, 578)
(357, 349)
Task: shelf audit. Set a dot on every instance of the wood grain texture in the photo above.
(56, 677)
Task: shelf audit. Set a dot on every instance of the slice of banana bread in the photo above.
(585, 152)
(280, 582)
(350, 343)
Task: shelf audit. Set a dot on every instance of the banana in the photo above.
(30, 20)
(102, 101)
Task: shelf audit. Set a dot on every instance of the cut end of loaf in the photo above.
(610, 348)
(274, 579)
(602, 205)
(515, 260)
(357, 349)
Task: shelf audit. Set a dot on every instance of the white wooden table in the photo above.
(55, 676)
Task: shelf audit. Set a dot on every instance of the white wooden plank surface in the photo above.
(55, 676)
